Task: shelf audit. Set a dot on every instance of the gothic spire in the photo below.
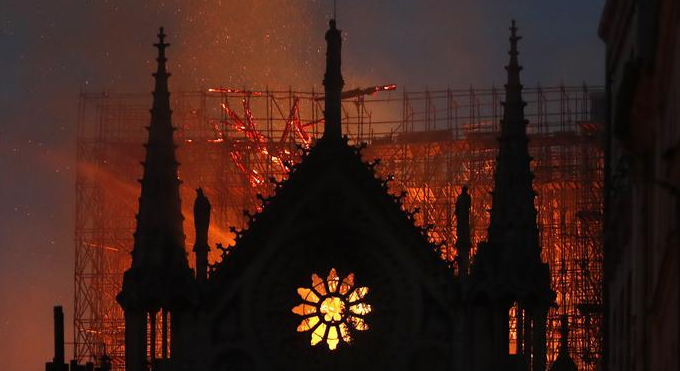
(514, 105)
(512, 254)
(333, 83)
(158, 256)
(513, 226)
(159, 279)
(160, 205)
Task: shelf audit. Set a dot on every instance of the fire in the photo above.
(235, 91)
(233, 161)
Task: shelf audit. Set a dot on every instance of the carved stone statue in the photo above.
(201, 223)
(463, 203)
(201, 217)
(463, 243)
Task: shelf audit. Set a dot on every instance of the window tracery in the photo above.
(332, 309)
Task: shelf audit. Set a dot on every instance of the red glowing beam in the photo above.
(235, 91)
(246, 125)
(359, 92)
(293, 124)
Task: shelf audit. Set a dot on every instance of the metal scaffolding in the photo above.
(232, 142)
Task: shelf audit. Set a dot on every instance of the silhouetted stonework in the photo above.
(564, 361)
(463, 242)
(642, 185)
(509, 266)
(159, 283)
(58, 362)
(389, 301)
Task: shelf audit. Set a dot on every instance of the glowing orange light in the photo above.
(235, 91)
(331, 307)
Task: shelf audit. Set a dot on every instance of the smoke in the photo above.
(51, 51)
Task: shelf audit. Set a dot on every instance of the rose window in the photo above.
(332, 309)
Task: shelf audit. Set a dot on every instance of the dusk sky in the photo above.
(52, 50)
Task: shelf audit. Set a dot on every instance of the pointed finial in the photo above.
(161, 34)
(513, 66)
(333, 83)
(564, 333)
(161, 73)
(514, 38)
(161, 45)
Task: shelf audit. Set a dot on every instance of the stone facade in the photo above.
(642, 184)
(333, 273)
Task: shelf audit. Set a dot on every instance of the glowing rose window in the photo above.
(332, 309)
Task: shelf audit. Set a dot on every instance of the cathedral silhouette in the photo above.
(333, 273)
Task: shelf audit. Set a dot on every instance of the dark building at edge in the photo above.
(642, 184)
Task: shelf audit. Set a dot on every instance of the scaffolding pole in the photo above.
(231, 142)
